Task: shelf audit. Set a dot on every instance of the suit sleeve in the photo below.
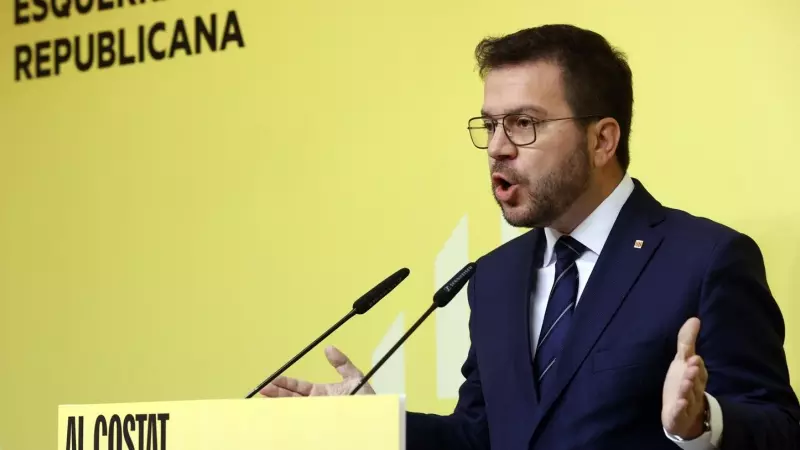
(741, 341)
(466, 428)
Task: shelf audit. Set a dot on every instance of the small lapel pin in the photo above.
(638, 244)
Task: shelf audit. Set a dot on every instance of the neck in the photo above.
(600, 188)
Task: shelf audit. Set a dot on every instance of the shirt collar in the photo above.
(594, 230)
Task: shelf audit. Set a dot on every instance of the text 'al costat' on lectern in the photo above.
(289, 423)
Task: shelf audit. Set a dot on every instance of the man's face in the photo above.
(536, 183)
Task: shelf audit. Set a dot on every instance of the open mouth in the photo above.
(501, 182)
(505, 189)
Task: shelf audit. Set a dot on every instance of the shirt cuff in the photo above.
(709, 440)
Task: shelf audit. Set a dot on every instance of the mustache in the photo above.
(502, 168)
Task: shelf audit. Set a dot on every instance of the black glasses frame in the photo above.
(502, 120)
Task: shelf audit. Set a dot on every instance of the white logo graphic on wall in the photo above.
(452, 333)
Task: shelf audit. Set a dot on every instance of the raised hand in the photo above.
(291, 387)
(683, 397)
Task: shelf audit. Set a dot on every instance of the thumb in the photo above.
(687, 338)
(342, 363)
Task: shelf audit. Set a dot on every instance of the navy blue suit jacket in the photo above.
(623, 337)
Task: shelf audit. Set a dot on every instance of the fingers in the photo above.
(697, 364)
(293, 384)
(282, 386)
(696, 372)
(274, 391)
(691, 390)
(342, 363)
(685, 386)
(687, 339)
(699, 376)
(686, 391)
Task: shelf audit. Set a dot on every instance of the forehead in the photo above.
(536, 85)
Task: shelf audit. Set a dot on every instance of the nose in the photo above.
(500, 147)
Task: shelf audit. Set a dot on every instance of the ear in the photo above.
(606, 133)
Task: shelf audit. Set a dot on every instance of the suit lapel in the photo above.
(617, 269)
(520, 276)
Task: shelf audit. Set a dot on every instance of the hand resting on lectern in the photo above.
(284, 386)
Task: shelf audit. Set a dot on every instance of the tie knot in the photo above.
(568, 249)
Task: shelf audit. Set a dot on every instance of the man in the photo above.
(616, 323)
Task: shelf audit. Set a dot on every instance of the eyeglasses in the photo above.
(519, 128)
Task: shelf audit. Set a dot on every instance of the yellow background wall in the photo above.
(178, 229)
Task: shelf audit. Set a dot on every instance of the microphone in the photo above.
(360, 306)
(440, 299)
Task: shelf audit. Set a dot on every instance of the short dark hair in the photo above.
(597, 78)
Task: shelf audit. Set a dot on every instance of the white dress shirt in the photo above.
(593, 233)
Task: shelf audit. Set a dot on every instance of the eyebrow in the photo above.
(518, 110)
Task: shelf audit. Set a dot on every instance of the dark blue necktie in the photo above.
(557, 317)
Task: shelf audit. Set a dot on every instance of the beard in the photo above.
(549, 198)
